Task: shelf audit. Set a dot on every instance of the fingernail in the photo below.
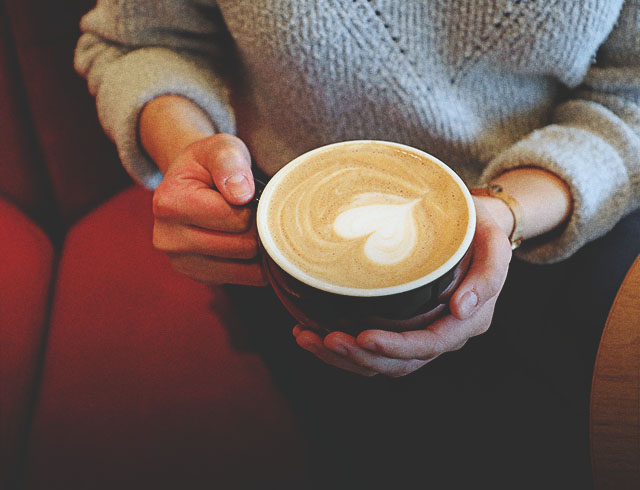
(468, 302)
(238, 186)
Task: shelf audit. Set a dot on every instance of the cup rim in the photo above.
(270, 248)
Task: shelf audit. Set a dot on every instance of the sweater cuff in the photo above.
(595, 174)
(142, 75)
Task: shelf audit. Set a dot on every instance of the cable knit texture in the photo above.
(485, 85)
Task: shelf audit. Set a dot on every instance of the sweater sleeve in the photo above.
(593, 144)
(132, 51)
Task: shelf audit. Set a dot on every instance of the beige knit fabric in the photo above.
(485, 85)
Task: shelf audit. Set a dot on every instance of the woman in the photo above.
(505, 92)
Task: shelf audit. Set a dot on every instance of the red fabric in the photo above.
(141, 388)
(21, 177)
(81, 161)
(26, 259)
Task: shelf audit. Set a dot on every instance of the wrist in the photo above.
(544, 198)
(516, 224)
(499, 211)
(168, 125)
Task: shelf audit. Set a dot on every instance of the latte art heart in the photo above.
(366, 216)
(389, 225)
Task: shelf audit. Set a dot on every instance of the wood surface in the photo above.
(615, 394)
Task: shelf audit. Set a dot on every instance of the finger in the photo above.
(447, 334)
(173, 238)
(228, 160)
(346, 346)
(488, 270)
(186, 199)
(208, 270)
(312, 342)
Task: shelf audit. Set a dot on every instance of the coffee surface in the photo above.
(367, 216)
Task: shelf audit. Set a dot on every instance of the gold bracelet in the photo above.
(495, 190)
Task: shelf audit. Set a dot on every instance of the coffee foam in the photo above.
(389, 226)
(364, 216)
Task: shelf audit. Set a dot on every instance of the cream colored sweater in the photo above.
(485, 85)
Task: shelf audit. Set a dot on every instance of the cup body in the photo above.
(325, 307)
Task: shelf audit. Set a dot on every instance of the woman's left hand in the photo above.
(470, 313)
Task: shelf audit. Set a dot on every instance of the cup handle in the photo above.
(259, 186)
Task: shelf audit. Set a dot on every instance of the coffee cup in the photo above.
(365, 234)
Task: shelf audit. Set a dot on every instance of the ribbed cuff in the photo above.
(596, 177)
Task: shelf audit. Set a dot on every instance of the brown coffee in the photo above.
(366, 215)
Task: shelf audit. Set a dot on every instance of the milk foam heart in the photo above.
(363, 216)
(390, 226)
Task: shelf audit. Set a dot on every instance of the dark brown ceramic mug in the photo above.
(370, 203)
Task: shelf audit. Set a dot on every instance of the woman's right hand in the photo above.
(200, 215)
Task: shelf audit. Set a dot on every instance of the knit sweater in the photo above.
(484, 85)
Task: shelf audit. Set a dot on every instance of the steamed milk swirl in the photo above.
(367, 216)
(386, 220)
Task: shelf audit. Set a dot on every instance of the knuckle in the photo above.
(497, 240)
(249, 251)
(483, 328)
(438, 347)
(429, 347)
(239, 220)
(459, 346)
(159, 239)
(162, 205)
(494, 284)
(402, 370)
(157, 203)
(500, 245)
(428, 355)
(165, 240)
(504, 248)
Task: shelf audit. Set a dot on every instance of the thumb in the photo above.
(489, 267)
(227, 159)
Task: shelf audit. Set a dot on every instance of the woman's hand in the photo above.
(208, 234)
(471, 310)
(199, 217)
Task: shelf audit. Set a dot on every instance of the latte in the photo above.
(363, 215)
